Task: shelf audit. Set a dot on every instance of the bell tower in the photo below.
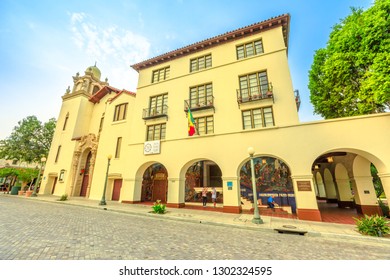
(88, 84)
(76, 102)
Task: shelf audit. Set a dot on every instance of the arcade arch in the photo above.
(199, 174)
(348, 181)
(154, 184)
(272, 177)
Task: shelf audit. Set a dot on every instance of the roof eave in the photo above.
(282, 20)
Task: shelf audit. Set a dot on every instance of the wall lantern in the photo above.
(62, 174)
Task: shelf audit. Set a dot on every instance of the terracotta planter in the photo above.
(20, 192)
(28, 193)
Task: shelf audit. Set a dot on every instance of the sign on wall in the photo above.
(152, 147)
(304, 186)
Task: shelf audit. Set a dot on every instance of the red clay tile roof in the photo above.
(282, 20)
(108, 89)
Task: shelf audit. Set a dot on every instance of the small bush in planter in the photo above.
(373, 225)
(158, 207)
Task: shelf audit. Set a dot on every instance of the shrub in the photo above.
(158, 207)
(63, 197)
(373, 225)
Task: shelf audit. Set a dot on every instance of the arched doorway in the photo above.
(272, 177)
(204, 173)
(350, 184)
(155, 183)
(85, 172)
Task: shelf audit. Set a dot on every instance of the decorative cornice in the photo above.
(282, 20)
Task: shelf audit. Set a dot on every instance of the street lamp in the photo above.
(43, 160)
(103, 200)
(256, 216)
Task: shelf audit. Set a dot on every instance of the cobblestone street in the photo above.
(34, 230)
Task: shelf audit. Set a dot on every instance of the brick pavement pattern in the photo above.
(36, 230)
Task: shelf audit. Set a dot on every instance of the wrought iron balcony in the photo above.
(155, 112)
(198, 104)
(255, 93)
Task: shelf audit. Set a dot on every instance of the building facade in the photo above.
(237, 88)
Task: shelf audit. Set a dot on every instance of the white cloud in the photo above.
(114, 48)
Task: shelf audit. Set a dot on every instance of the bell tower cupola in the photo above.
(88, 84)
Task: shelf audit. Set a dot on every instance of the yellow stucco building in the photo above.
(238, 89)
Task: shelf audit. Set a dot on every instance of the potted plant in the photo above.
(29, 193)
(158, 207)
(27, 175)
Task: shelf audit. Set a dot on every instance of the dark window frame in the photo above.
(120, 112)
(249, 49)
(151, 132)
(58, 154)
(264, 115)
(201, 62)
(205, 129)
(161, 74)
(118, 147)
(65, 121)
(205, 98)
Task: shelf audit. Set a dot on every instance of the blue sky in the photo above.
(44, 43)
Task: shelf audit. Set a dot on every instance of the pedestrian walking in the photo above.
(214, 196)
(204, 196)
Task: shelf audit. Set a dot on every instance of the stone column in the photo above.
(345, 194)
(176, 195)
(365, 196)
(132, 190)
(331, 194)
(305, 197)
(74, 173)
(231, 195)
(320, 185)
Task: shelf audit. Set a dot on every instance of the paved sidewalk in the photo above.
(329, 230)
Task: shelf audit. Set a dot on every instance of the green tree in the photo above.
(9, 173)
(27, 175)
(351, 75)
(29, 140)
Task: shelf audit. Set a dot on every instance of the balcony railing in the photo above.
(155, 112)
(255, 93)
(197, 104)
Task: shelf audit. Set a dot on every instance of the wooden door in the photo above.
(84, 184)
(160, 190)
(54, 185)
(116, 192)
